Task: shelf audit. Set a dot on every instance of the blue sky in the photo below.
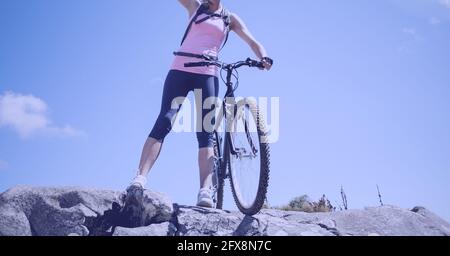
(363, 86)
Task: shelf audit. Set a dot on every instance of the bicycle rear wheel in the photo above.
(249, 165)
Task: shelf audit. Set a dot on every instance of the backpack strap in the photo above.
(208, 17)
(202, 9)
(225, 15)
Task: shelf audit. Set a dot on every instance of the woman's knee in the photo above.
(162, 127)
(205, 139)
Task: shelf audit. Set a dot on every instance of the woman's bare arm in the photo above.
(190, 5)
(239, 27)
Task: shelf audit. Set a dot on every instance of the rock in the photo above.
(278, 223)
(26, 211)
(157, 207)
(44, 211)
(375, 221)
(13, 222)
(51, 211)
(433, 219)
(388, 221)
(197, 221)
(163, 229)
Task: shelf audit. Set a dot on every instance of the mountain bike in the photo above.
(241, 150)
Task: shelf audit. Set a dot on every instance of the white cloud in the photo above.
(445, 3)
(3, 164)
(411, 32)
(411, 39)
(435, 21)
(28, 115)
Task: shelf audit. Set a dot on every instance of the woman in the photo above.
(205, 37)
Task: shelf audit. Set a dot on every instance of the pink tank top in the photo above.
(203, 38)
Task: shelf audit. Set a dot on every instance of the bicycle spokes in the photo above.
(245, 159)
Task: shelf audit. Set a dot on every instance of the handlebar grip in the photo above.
(254, 63)
(258, 64)
(268, 60)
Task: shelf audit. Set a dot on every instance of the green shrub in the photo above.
(304, 204)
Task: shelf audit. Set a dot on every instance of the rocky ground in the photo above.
(26, 211)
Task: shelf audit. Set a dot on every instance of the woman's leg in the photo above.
(206, 165)
(149, 155)
(210, 90)
(175, 86)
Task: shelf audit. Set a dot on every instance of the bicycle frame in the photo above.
(228, 143)
(228, 146)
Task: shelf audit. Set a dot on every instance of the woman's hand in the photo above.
(267, 62)
(239, 27)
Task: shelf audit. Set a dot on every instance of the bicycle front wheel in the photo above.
(249, 158)
(218, 173)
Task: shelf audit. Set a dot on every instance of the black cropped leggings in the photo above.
(179, 84)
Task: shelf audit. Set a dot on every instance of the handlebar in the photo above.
(248, 62)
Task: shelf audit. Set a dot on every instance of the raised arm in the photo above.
(190, 5)
(239, 27)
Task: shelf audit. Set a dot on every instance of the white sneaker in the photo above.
(204, 198)
(139, 180)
